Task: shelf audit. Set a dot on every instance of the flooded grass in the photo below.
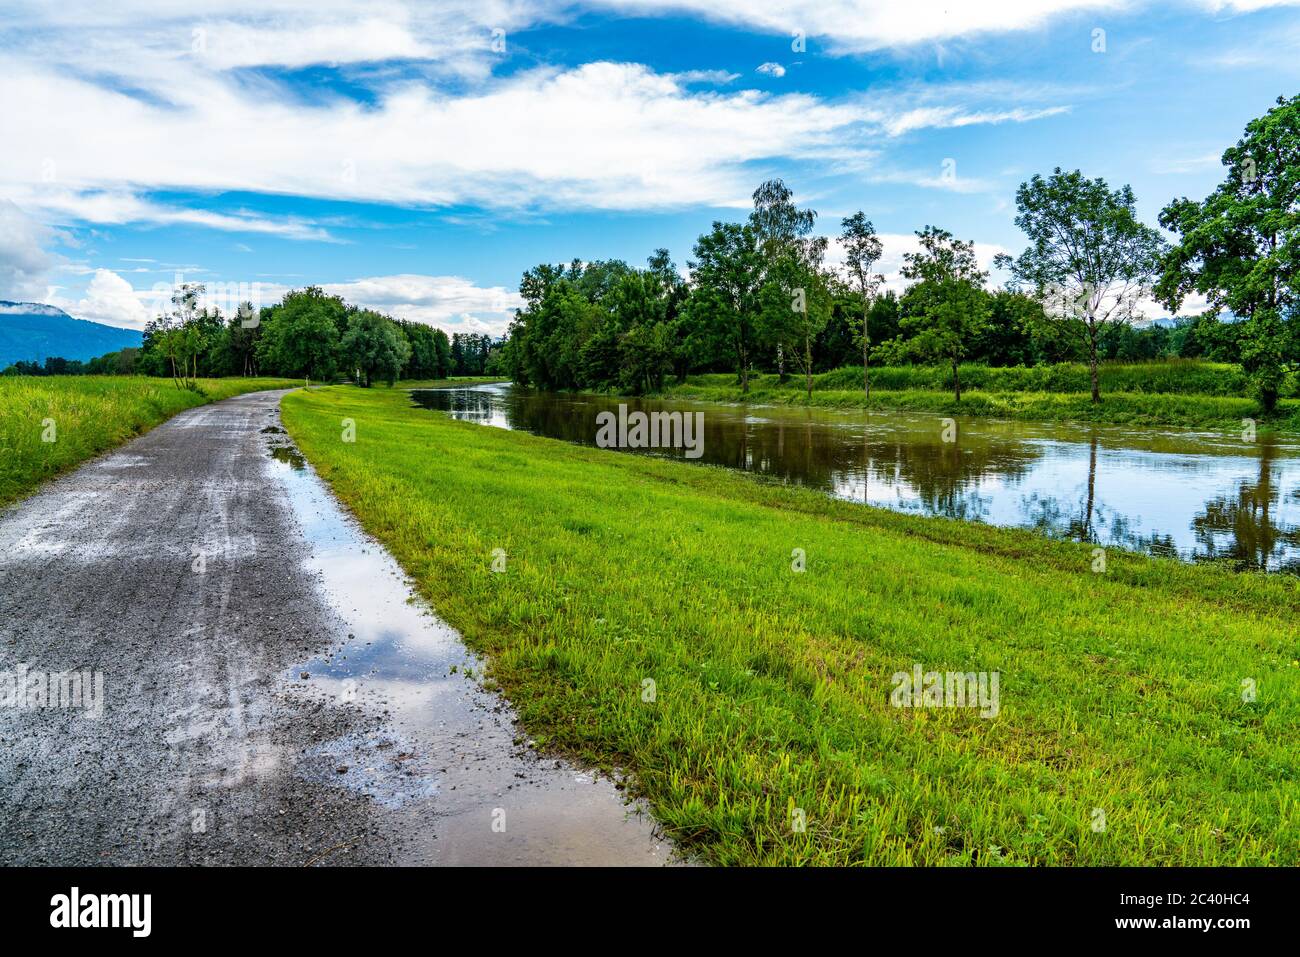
(49, 424)
(1202, 495)
(649, 616)
(1127, 397)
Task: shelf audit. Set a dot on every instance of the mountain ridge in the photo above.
(33, 332)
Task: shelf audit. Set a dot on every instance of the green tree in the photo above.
(946, 308)
(1090, 258)
(1008, 339)
(795, 304)
(300, 336)
(862, 250)
(728, 273)
(1240, 247)
(791, 264)
(374, 347)
(180, 335)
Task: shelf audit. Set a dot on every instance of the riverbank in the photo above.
(49, 424)
(448, 383)
(651, 616)
(1177, 409)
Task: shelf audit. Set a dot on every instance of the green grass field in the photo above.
(90, 414)
(1184, 393)
(1121, 693)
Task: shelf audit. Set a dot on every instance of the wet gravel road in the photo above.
(268, 695)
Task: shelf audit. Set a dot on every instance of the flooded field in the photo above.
(1194, 495)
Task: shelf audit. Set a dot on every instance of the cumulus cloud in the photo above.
(109, 299)
(177, 98)
(896, 246)
(771, 69)
(451, 303)
(24, 262)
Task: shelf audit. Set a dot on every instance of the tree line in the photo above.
(308, 334)
(761, 296)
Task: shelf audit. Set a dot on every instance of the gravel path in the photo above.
(219, 595)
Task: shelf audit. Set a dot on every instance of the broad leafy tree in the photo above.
(728, 274)
(795, 299)
(946, 308)
(300, 335)
(374, 347)
(1089, 257)
(1240, 247)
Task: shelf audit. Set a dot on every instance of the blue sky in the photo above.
(416, 158)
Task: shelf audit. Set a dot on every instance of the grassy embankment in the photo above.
(442, 383)
(1119, 691)
(1188, 393)
(90, 415)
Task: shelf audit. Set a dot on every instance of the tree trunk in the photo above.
(956, 382)
(744, 373)
(807, 358)
(1092, 361)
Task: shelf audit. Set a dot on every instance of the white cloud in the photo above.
(945, 178)
(1246, 6)
(896, 245)
(949, 117)
(714, 77)
(24, 262)
(1187, 164)
(771, 69)
(109, 299)
(451, 303)
(603, 135)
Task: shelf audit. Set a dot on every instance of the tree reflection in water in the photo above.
(1160, 492)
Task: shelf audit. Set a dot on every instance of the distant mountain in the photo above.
(32, 332)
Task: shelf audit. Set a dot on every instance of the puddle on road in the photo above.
(445, 766)
(288, 455)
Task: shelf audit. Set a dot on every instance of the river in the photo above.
(1173, 492)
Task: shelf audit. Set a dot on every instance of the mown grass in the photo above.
(1119, 691)
(90, 414)
(1119, 406)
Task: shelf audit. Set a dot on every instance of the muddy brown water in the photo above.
(1192, 495)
